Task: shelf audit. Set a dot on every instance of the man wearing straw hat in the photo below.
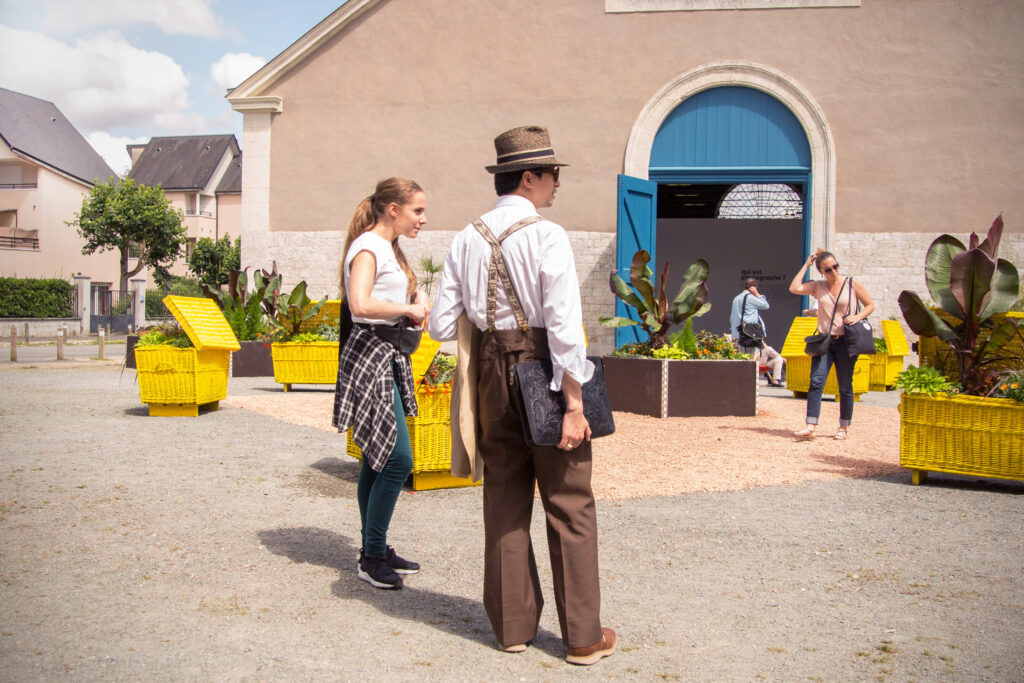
(513, 248)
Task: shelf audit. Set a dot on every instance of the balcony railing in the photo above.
(7, 242)
(18, 186)
(192, 212)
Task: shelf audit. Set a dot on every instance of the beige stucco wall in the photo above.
(229, 215)
(922, 97)
(920, 100)
(55, 200)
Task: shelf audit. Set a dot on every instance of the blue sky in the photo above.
(126, 70)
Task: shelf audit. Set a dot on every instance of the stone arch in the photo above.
(771, 81)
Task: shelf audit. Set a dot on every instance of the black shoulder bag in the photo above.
(860, 338)
(750, 334)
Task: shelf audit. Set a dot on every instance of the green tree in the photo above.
(121, 215)
(212, 260)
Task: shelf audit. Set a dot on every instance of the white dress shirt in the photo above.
(542, 267)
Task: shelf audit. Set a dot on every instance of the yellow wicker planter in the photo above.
(962, 434)
(431, 439)
(176, 382)
(885, 366)
(798, 363)
(304, 363)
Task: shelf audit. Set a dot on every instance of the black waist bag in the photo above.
(543, 409)
(405, 339)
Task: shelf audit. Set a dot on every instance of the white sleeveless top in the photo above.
(390, 283)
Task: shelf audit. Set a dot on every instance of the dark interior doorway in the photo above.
(763, 238)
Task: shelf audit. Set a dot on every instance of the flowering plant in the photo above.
(1011, 386)
(441, 370)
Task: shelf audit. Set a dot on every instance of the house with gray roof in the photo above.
(46, 168)
(201, 175)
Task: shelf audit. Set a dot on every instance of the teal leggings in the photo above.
(378, 491)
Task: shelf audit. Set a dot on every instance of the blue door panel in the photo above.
(637, 222)
(731, 126)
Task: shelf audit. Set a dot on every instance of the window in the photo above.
(755, 200)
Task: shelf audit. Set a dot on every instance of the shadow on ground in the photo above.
(450, 613)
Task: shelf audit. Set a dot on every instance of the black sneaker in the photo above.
(399, 564)
(377, 572)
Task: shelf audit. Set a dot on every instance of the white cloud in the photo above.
(100, 82)
(113, 150)
(233, 68)
(174, 17)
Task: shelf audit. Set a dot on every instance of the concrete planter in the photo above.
(682, 388)
(252, 360)
(129, 351)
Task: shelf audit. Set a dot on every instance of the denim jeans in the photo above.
(378, 491)
(820, 365)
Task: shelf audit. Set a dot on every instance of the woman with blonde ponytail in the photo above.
(375, 389)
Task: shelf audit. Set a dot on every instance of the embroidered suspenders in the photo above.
(497, 270)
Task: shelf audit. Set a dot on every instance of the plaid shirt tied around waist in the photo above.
(364, 396)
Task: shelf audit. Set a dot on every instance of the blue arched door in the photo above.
(724, 135)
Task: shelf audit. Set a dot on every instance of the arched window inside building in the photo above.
(761, 200)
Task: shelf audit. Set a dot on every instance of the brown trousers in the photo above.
(512, 593)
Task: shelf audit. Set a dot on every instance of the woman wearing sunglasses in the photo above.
(833, 294)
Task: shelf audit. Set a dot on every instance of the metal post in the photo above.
(14, 343)
(26, 333)
(101, 336)
(60, 344)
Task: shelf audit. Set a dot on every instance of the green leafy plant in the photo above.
(164, 335)
(971, 286)
(685, 339)
(670, 352)
(328, 332)
(1011, 385)
(305, 337)
(293, 309)
(431, 269)
(926, 380)
(880, 346)
(213, 260)
(242, 309)
(656, 314)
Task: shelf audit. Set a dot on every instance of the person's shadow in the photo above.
(454, 614)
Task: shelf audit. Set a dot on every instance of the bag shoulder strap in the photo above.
(499, 270)
(849, 306)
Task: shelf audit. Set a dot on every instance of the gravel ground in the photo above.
(223, 547)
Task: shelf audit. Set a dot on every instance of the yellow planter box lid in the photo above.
(895, 341)
(801, 327)
(423, 356)
(203, 322)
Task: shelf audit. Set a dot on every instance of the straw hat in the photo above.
(522, 148)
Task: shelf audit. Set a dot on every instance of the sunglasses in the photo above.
(541, 171)
(831, 268)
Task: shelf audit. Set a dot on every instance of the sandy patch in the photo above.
(648, 456)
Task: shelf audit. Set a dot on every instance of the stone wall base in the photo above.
(887, 263)
(315, 257)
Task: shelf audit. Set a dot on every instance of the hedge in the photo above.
(34, 298)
